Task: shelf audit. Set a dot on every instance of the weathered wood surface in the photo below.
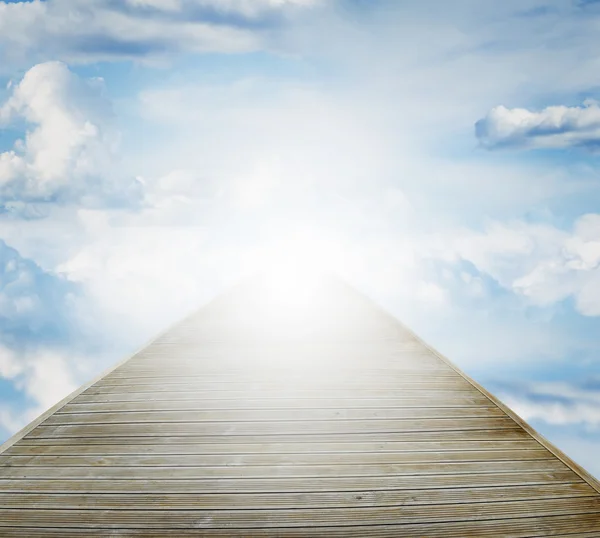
(288, 484)
(248, 420)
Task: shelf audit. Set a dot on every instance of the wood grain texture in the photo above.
(259, 486)
(527, 527)
(83, 448)
(335, 422)
(83, 404)
(269, 459)
(259, 415)
(297, 427)
(282, 518)
(245, 501)
(280, 437)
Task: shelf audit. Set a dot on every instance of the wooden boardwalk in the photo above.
(251, 419)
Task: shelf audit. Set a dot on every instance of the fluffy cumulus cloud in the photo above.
(552, 127)
(67, 150)
(90, 30)
(538, 262)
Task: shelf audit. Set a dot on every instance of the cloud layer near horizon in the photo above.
(554, 127)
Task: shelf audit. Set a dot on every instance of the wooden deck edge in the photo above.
(583, 473)
(575, 467)
(46, 414)
(36, 422)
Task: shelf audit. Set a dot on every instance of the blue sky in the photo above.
(443, 158)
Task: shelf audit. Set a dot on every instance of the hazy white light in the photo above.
(294, 270)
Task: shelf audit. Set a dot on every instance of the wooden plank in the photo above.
(268, 435)
(231, 355)
(291, 392)
(275, 459)
(330, 377)
(82, 404)
(299, 427)
(301, 348)
(370, 355)
(208, 373)
(280, 355)
(126, 416)
(526, 527)
(394, 347)
(225, 501)
(281, 518)
(447, 435)
(288, 398)
(394, 367)
(188, 384)
(287, 484)
(264, 471)
(76, 448)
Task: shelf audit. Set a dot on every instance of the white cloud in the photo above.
(540, 263)
(92, 30)
(552, 127)
(40, 333)
(565, 412)
(245, 7)
(44, 376)
(144, 276)
(67, 154)
(557, 403)
(250, 8)
(165, 5)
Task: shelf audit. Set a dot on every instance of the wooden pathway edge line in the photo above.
(579, 470)
(583, 473)
(67, 399)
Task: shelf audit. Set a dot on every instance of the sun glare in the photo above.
(293, 272)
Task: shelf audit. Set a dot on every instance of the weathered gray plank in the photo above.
(314, 398)
(287, 484)
(82, 404)
(527, 527)
(344, 426)
(237, 389)
(126, 416)
(201, 519)
(264, 471)
(81, 447)
(278, 437)
(206, 372)
(246, 501)
(366, 392)
(253, 428)
(275, 459)
(281, 385)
